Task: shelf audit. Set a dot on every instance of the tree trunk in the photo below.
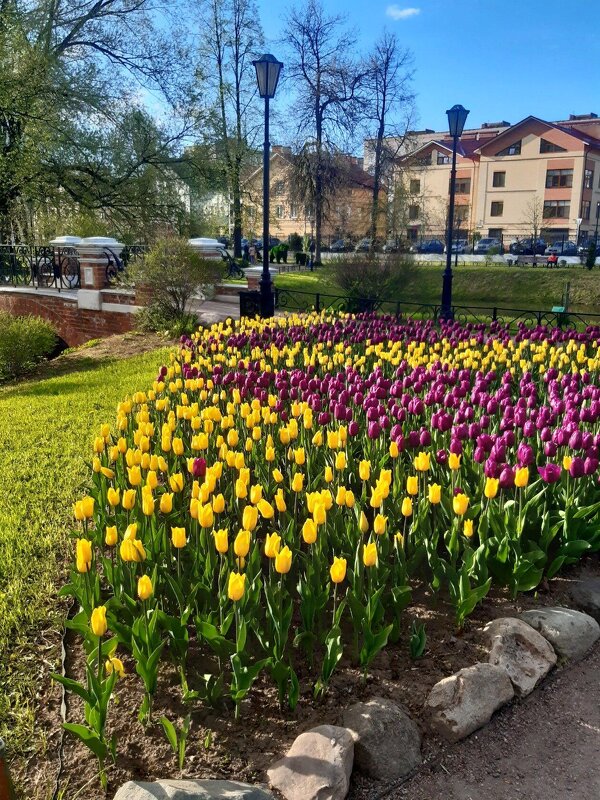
(318, 184)
(376, 185)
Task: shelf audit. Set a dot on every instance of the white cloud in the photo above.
(396, 13)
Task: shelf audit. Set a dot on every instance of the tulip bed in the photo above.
(283, 486)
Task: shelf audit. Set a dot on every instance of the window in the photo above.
(279, 212)
(499, 179)
(559, 177)
(443, 158)
(586, 206)
(463, 186)
(588, 179)
(557, 209)
(512, 150)
(550, 147)
(279, 187)
(495, 233)
(413, 212)
(415, 186)
(497, 208)
(293, 212)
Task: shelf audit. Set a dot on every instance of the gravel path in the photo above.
(543, 748)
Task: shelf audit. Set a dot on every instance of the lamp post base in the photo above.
(267, 298)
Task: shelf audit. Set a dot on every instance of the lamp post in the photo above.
(457, 116)
(268, 70)
(596, 230)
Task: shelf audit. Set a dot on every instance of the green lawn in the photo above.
(46, 430)
(511, 287)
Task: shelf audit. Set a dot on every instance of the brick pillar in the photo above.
(93, 262)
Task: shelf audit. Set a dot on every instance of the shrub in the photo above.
(24, 342)
(174, 272)
(156, 318)
(295, 242)
(372, 278)
(590, 259)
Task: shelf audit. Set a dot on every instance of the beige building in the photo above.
(510, 180)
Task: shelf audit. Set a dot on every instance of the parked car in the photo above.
(341, 246)
(428, 246)
(484, 246)
(273, 242)
(561, 249)
(364, 246)
(224, 240)
(582, 250)
(391, 246)
(460, 246)
(527, 247)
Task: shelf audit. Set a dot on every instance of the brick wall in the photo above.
(74, 325)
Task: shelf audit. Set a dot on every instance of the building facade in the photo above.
(511, 181)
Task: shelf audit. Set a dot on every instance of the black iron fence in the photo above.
(40, 267)
(290, 300)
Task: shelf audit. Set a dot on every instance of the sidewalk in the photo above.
(545, 747)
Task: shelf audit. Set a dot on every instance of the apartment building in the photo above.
(346, 214)
(510, 180)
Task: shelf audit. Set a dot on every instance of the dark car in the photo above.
(341, 246)
(561, 249)
(224, 240)
(527, 247)
(428, 246)
(273, 242)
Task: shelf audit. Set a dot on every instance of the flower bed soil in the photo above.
(220, 747)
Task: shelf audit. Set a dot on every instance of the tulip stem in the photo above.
(99, 659)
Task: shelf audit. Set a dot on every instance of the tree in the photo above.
(233, 36)
(388, 110)
(533, 216)
(328, 83)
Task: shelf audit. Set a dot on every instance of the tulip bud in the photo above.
(236, 586)
(111, 536)
(369, 554)
(144, 588)
(283, 561)
(337, 571)
(98, 622)
(178, 537)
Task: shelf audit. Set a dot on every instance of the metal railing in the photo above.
(291, 300)
(39, 267)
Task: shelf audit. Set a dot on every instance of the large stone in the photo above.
(571, 633)
(387, 743)
(464, 702)
(191, 790)
(521, 651)
(317, 766)
(586, 595)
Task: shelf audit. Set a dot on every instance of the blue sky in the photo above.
(502, 59)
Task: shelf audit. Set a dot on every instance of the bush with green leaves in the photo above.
(174, 272)
(372, 278)
(24, 342)
(590, 259)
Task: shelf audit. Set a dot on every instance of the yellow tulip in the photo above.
(435, 494)
(221, 538)
(328, 474)
(206, 517)
(218, 504)
(113, 496)
(83, 555)
(309, 531)
(166, 502)
(98, 445)
(407, 507)
(468, 528)
(280, 501)
(379, 524)
(176, 482)
(250, 518)
(317, 439)
(144, 588)
(147, 504)
(363, 523)
(236, 586)
(87, 506)
(131, 531)
(400, 539)
(78, 511)
(567, 461)
(132, 550)
(270, 454)
(377, 498)
(272, 544)
(454, 461)
(233, 438)
(337, 570)
(283, 560)
(128, 501)
(113, 664)
(108, 473)
(340, 460)
(152, 479)
(298, 482)
(134, 475)
(178, 537)
(111, 537)
(349, 499)
(522, 477)
(277, 476)
(319, 513)
(241, 544)
(255, 494)
(412, 484)
(299, 456)
(394, 450)
(369, 554)
(491, 488)
(98, 622)
(421, 462)
(340, 497)
(265, 509)
(460, 503)
(364, 470)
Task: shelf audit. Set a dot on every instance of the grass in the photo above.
(46, 430)
(494, 285)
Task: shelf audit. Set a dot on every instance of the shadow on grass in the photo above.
(36, 383)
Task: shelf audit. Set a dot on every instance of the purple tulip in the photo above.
(550, 473)
(577, 468)
(507, 477)
(199, 468)
(373, 430)
(525, 455)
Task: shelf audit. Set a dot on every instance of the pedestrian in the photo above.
(246, 252)
(311, 250)
(252, 254)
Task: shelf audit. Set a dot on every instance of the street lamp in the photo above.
(596, 231)
(457, 116)
(268, 70)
